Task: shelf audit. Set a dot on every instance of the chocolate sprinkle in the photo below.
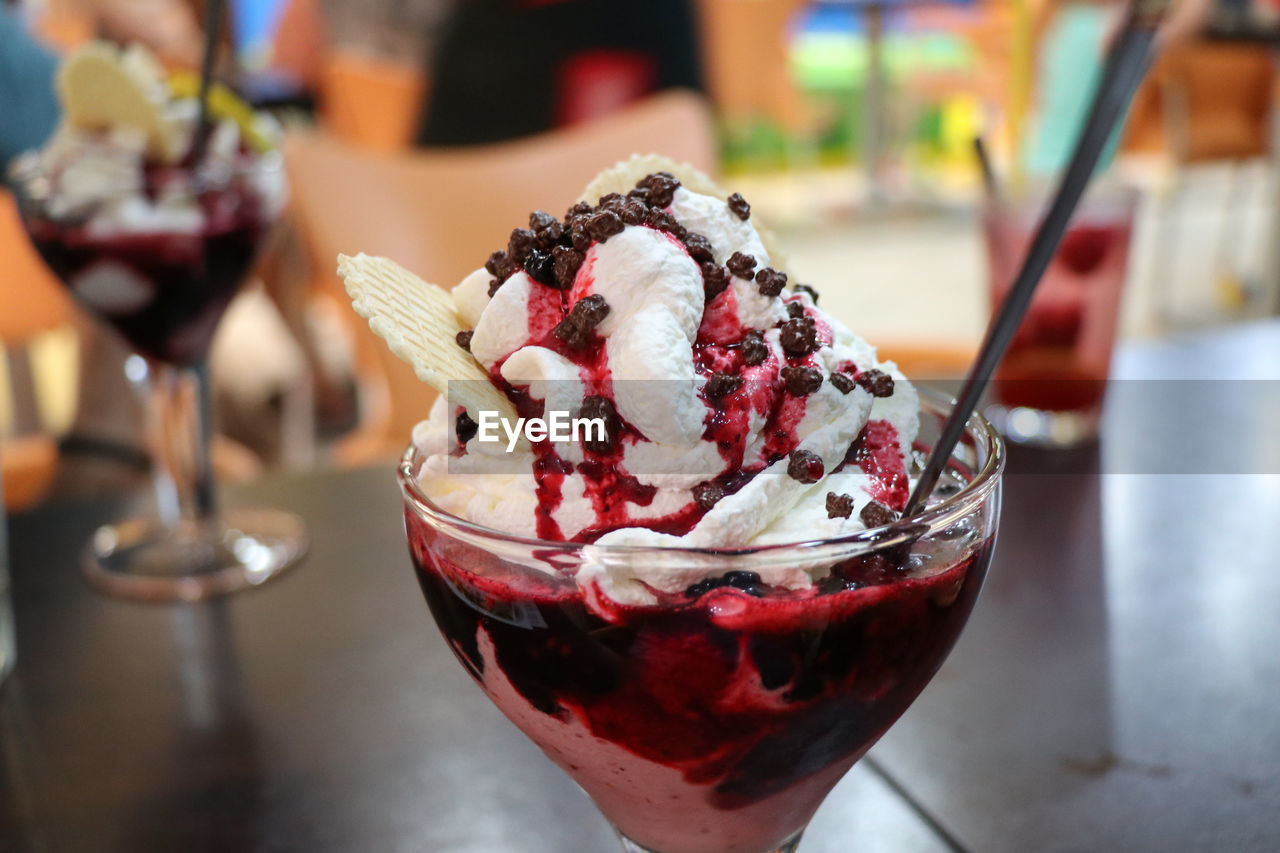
(465, 428)
(522, 242)
(547, 227)
(662, 188)
(795, 310)
(602, 226)
(586, 314)
(573, 337)
(699, 248)
(876, 515)
(579, 237)
(633, 212)
(494, 284)
(844, 384)
(877, 382)
(591, 310)
(707, 495)
(578, 211)
(602, 408)
(714, 280)
(770, 281)
(739, 206)
(804, 288)
(799, 336)
(611, 201)
(567, 261)
(664, 221)
(742, 265)
(839, 506)
(499, 264)
(754, 349)
(722, 385)
(464, 339)
(805, 466)
(802, 381)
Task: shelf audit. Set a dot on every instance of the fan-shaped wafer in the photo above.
(101, 87)
(420, 325)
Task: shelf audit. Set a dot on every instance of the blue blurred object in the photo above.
(253, 27)
(1070, 65)
(28, 104)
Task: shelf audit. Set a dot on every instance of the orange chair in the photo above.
(370, 101)
(366, 99)
(441, 213)
(746, 57)
(1206, 101)
(31, 302)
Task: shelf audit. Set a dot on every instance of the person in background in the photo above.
(508, 68)
(28, 104)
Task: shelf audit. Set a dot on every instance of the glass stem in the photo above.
(179, 415)
(146, 381)
(203, 492)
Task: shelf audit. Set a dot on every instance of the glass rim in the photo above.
(1116, 197)
(903, 531)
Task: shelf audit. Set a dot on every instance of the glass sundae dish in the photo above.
(153, 221)
(703, 605)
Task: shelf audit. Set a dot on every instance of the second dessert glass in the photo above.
(163, 287)
(1050, 385)
(717, 720)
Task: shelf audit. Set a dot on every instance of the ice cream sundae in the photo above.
(706, 609)
(149, 218)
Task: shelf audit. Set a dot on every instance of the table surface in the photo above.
(1118, 687)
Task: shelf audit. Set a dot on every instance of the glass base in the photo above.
(1045, 427)
(146, 560)
(788, 846)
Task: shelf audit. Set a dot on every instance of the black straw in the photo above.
(990, 183)
(1126, 64)
(215, 12)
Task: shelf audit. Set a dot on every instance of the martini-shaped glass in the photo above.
(158, 259)
(717, 720)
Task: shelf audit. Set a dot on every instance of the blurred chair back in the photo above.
(746, 50)
(1205, 101)
(441, 213)
(1218, 101)
(32, 302)
(371, 101)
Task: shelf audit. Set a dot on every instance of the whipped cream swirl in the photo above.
(745, 414)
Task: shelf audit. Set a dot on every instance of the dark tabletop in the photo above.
(1118, 687)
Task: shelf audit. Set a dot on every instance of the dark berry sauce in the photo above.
(192, 277)
(744, 689)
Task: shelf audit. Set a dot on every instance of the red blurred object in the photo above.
(594, 83)
(1060, 357)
